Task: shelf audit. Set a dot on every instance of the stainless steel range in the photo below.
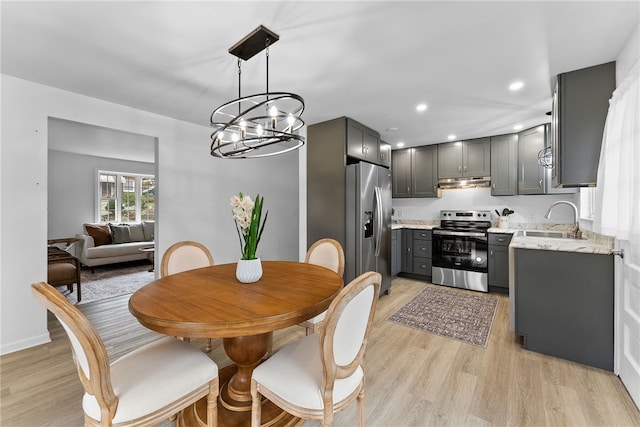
(460, 250)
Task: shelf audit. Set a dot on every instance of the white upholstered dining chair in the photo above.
(144, 387)
(183, 256)
(326, 253)
(323, 373)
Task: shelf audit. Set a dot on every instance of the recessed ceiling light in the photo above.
(391, 129)
(451, 137)
(517, 127)
(421, 107)
(400, 144)
(516, 85)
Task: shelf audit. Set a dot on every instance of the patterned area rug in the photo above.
(462, 316)
(110, 281)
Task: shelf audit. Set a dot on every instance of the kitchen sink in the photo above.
(548, 233)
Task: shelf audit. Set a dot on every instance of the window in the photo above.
(587, 203)
(125, 197)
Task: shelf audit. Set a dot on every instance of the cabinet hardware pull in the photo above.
(540, 184)
(491, 253)
(494, 186)
(500, 240)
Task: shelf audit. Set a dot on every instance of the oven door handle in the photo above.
(459, 233)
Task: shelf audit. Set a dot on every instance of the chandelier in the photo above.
(259, 125)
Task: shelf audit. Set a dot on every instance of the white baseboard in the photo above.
(26, 343)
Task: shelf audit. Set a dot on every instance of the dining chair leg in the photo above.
(212, 403)
(207, 348)
(256, 405)
(361, 408)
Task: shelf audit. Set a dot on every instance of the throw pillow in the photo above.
(120, 233)
(137, 232)
(148, 227)
(101, 233)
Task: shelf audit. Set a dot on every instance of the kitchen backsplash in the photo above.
(527, 209)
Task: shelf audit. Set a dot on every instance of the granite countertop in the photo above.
(396, 226)
(562, 245)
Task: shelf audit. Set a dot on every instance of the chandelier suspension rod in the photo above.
(239, 82)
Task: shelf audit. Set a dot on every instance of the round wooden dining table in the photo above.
(210, 302)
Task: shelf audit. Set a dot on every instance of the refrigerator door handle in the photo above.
(378, 220)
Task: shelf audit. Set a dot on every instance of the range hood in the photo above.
(471, 182)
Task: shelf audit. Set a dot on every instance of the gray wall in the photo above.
(72, 189)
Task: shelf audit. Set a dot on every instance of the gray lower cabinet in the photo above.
(564, 305)
(504, 165)
(499, 262)
(422, 252)
(396, 251)
(406, 261)
(416, 253)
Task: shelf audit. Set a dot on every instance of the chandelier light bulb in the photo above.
(290, 121)
(259, 130)
(243, 128)
(273, 112)
(235, 137)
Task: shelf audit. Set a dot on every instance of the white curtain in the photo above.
(617, 210)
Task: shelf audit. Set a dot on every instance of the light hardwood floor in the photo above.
(413, 378)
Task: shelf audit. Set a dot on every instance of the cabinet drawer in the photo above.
(422, 266)
(501, 239)
(421, 234)
(422, 248)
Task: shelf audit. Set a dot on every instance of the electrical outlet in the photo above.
(532, 217)
(399, 212)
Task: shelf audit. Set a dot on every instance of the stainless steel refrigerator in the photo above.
(368, 222)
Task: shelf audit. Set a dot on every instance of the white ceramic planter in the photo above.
(249, 270)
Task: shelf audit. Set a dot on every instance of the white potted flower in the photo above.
(247, 214)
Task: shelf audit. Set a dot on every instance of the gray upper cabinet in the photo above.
(476, 157)
(424, 171)
(504, 165)
(450, 160)
(362, 142)
(401, 173)
(415, 172)
(385, 154)
(531, 176)
(464, 158)
(580, 106)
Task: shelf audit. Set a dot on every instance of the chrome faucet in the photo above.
(576, 234)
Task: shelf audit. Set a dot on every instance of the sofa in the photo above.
(103, 244)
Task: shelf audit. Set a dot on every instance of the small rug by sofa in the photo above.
(463, 316)
(110, 281)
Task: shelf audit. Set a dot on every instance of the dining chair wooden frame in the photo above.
(166, 267)
(94, 369)
(337, 363)
(333, 260)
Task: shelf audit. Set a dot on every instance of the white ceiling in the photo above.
(370, 60)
